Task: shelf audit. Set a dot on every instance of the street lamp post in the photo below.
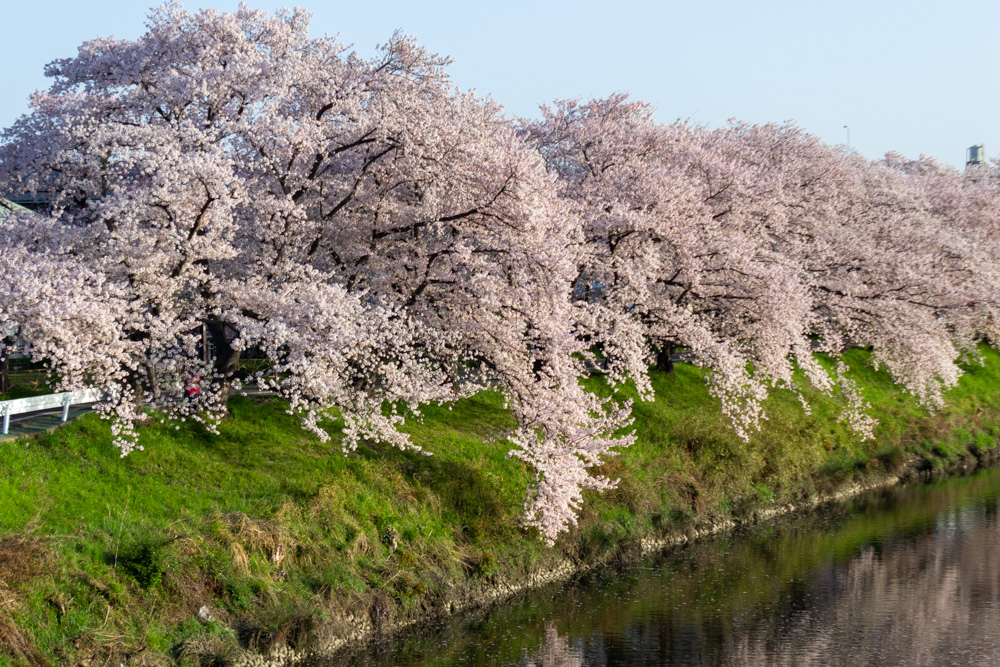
(846, 127)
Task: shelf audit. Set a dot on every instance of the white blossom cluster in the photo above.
(388, 241)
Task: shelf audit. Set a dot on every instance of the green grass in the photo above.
(279, 535)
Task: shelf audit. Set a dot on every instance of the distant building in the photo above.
(33, 202)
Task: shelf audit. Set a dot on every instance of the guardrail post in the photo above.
(6, 419)
(66, 401)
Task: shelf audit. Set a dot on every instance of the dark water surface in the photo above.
(905, 576)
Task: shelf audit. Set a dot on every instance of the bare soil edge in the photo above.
(351, 629)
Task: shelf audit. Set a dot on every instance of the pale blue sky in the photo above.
(917, 77)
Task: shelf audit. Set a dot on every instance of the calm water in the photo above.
(908, 576)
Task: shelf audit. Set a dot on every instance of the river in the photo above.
(901, 576)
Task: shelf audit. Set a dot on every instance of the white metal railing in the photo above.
(64, 400)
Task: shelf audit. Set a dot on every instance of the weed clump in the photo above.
(143, 561)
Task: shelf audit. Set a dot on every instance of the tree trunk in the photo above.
(8, 344)
(138, 392)
(664, 358)
(227, 360)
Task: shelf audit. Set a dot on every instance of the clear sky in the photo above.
(916, 77)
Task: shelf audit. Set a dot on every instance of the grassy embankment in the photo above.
(279, 535)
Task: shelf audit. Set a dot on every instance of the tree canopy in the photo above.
(386, 240)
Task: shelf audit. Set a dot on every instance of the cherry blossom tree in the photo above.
(384, 239)
(884, 269)
(880, 269)
(673, 252)
(755, 244)
(967, 208)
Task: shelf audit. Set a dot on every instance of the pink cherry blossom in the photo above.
(382, 238)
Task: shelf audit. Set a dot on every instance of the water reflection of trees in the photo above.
(921, 599)
(933, 600)
(910, 577)
(556, 651)
(911, 586)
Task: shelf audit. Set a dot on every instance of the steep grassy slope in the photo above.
(280, 537)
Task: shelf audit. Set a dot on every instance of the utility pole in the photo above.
(848, 128)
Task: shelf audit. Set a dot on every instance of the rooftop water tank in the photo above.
(975, 156)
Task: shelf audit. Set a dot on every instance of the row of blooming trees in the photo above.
(388, 241)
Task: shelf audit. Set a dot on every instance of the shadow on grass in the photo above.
(463, 487)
